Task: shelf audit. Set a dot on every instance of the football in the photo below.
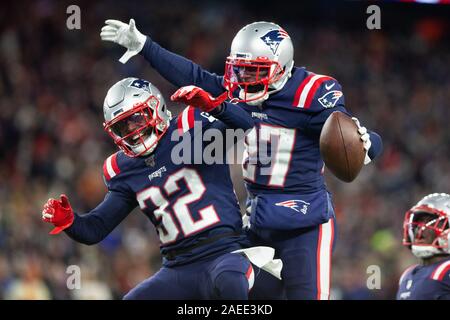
(341, 147)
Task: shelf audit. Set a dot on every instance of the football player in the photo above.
(289, 205)
(192, 205)
(426, 233)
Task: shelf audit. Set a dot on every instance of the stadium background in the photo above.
(52, 85)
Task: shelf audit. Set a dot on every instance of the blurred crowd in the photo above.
(52, 84)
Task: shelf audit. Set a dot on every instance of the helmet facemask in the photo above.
(138, 130)
(252, 76)
(426, 232)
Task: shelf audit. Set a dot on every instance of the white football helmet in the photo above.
(426, 226)
(136, 116)
(260, 62)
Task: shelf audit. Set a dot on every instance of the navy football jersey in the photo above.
(291, 119)
(187, 203)
(282, 166)
(430, 282)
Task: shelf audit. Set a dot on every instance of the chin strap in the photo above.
(255, 102)
(273, 88)
(425, 251)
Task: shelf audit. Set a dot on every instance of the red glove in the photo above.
(198, 98)
(58, 212)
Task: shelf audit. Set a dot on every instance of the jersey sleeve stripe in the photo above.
(114, 164)
(306, 89)
(110, 167)
(180, 124)
(300, 89)
(186, 120)
(105, 171)
(313, 90)
(440, 271)
(191, 117)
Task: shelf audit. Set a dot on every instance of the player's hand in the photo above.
(59, 213)
(198, 98)
(127, 35)
(365, 137)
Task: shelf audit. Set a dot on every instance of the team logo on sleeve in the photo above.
(273, 39)
(329, 99)
(295, 205)
(141, 84)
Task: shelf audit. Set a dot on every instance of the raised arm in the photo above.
(174, 68)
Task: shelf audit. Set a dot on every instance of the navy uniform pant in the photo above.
(229, 276)
(306, 255)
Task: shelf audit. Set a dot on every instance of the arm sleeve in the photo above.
(94, 226)
(377, 145)
(233, 116)
(180, 71)
(317, 121)
(329, 98)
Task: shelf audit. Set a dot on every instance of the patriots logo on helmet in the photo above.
(141, 84)
(273, 39)
(294, 205)
(329, 99)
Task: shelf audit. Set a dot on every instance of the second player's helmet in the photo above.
(136, 116)
(426, 226)
(260, 62)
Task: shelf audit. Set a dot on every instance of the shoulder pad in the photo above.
(317, 92)
(110, 167)
(187, 118)
(406, 272)
(441, 270)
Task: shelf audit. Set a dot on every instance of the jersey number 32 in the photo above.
(168, 230)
